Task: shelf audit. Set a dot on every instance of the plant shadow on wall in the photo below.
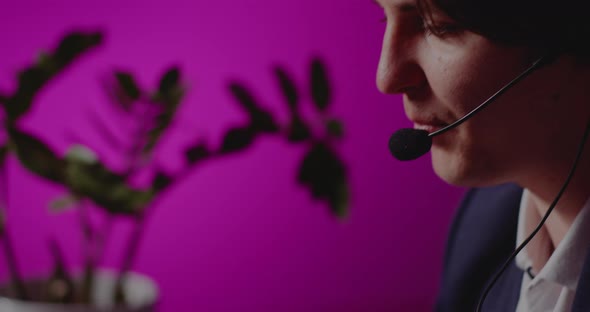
(148, 115)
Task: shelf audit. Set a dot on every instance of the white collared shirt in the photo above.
(553, 288)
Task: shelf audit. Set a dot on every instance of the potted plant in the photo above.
(90, 184)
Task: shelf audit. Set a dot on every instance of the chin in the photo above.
(460, 170)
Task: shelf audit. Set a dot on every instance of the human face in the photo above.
(444, 76)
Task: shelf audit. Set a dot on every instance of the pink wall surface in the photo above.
(239, 234)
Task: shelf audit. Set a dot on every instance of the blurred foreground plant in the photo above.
(152, 114)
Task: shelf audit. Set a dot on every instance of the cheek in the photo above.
(464, 77)
(454, 85)
(479, 151)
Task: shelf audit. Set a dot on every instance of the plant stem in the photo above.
(94, 255)
(60, 286)
(90, 252)
(21, 291)
(129, 257)
(134, 165)
(19, 285)
(106, 231)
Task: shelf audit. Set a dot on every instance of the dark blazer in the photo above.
(482, 237)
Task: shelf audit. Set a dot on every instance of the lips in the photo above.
(427, 128)
(425, 119)
(429, 125)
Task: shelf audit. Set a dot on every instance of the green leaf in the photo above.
(244, 97)
(33, 78)
(339, 199)
(3, 154)
(105, 188)
(237, 139)
(298, 130)
(335, 128)
(170, 94)
(88, 178)
(325, 176)
(128, 85)
(74, 44)
(63, 203)
(161, 181)
(320, 87)
(171, 99)
(44, 58)
(37, 156)
(288, 87)
(260, 119)
(81, 153)
(197, 153)
(162, 122)
(30, 82)
(170, 80)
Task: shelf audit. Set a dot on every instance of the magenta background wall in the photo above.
(239, 234)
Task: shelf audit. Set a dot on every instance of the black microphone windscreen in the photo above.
(409, 144)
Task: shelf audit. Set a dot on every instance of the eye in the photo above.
(442, 29)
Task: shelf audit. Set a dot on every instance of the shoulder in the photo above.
(486, 216)
(481, 237)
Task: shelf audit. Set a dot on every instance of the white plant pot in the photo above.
(141, 294)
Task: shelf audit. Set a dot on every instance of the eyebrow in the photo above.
(403, 7)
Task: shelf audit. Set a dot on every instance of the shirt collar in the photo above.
(564, 265)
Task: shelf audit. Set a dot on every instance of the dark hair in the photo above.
(542, 24)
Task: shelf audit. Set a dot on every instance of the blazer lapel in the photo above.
(582, 299)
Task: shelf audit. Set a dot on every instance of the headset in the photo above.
(408, 144)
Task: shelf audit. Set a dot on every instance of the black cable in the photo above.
(526, 241)
(536, 65)
(529, 271)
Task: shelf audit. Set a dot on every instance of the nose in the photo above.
(399, 70)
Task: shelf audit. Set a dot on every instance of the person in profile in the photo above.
(516, 74)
